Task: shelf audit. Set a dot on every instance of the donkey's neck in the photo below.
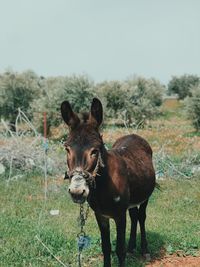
(102, 194)
(102, 174)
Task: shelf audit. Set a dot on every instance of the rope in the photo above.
(83, 240)
(90, 178)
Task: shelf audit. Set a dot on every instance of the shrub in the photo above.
(48, 102)
(193, 106)
(182, 85)
(144, 96)
(133, 101)
(78, 90)
(17, 91)
(113, 97)
(75, 89)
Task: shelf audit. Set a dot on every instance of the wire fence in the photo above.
(22, 151)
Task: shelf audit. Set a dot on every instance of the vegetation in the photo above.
(30, 235)
(145, 96)
(25, 222)
(131, 102)
(17, 91)
(182, 85)
(193, 106)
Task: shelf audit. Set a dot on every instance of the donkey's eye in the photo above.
(94, 153)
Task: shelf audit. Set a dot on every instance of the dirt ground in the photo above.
(175, 261)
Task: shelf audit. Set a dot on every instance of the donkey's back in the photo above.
(137, 155)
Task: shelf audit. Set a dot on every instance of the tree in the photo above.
(76, 89)
(133, 101)
(144, 96)
(17, 91)
(193, 106)
(182, 85)
(114, 98)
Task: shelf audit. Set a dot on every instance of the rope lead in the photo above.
(83, 241)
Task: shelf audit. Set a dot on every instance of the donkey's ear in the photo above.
(96, 112)
(70, 118)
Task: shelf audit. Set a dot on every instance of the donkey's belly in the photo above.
(135, 204)
(112, 215)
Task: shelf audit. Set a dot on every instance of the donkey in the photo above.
(112, 181)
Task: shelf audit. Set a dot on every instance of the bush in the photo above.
(144, 96)
(193, 106)
(182, 85)
(133, 101)
(76, 89)
(113, 97)
(79, 91)
(17, 91)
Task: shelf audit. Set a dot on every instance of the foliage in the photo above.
(130, 102)
(75, 89)
(182, 85)
(193, 106)
(114, 98)
(133, 101)
(144, 99)
(17, 91)
(48, 102)
(78, 90)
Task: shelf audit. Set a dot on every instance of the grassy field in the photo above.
(30, 235)
(172, 224)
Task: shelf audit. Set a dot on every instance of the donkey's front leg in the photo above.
(104, 227)
(121, 232)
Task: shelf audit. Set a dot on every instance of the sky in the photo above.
(105, 39)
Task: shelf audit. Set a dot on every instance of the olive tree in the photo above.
(182, 85)
(193, 106)
(144, 96)
(17, 91)
(76, 89)
(132, 101)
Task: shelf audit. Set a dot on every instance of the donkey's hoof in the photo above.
(147, 257)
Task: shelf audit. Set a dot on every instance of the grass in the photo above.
(172, 224)
(172, 217)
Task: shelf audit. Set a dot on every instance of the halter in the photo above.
(90, 178)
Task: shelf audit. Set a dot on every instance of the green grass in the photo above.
(172, 224)
(192, 134)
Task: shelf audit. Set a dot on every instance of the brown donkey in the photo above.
(112, 181)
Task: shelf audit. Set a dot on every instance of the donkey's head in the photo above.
(84, 149)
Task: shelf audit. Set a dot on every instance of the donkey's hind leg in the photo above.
(133, 212)
(142, 218)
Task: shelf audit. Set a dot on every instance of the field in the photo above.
(31, 236)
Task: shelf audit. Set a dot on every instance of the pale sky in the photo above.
(106, 39)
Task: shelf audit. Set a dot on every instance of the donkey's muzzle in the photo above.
(78, 189)
(78, 196)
